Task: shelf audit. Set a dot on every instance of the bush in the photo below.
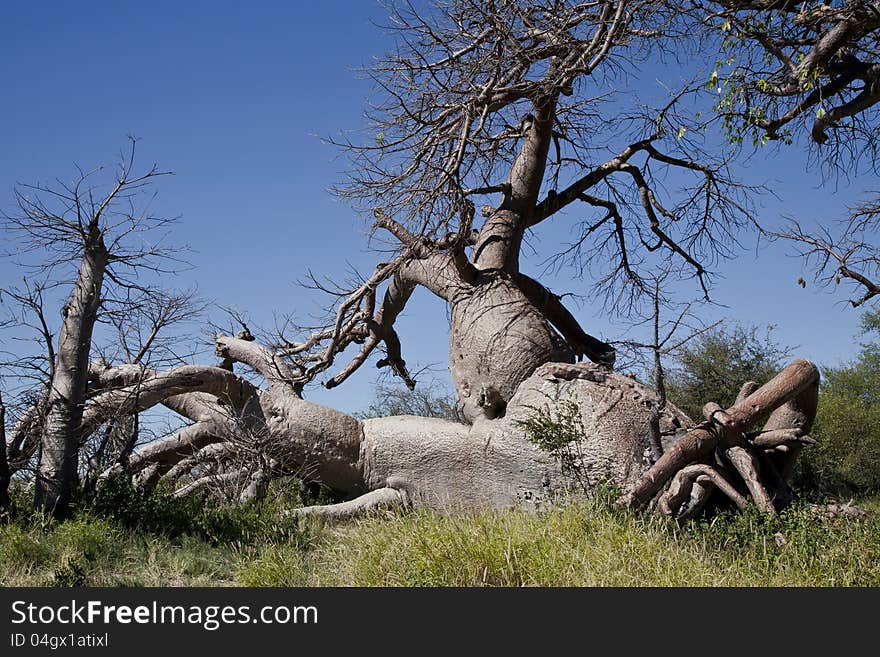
(160, 513)
(431, 398)
(846, 462)
(847, 459)
(714, 365)
(558, 430)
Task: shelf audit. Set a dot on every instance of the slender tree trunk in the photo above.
(659, 379)
(57, 472)
(4, 464)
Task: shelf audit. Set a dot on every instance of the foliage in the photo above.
(786, 69)
(847, 459)
(559, 430)
(556, 429)
(713, 366)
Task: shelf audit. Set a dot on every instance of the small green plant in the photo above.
(559, 432)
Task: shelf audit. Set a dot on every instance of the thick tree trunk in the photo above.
(497, 463)
(59, 448)
(445, 465)
(497, 339)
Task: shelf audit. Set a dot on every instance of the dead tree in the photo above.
(434, 463)
(88, 226)
(502, 104)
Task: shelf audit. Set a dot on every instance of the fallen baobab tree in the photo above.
(494, 125)
(494, 462)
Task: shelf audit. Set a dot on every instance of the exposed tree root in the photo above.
(723, 454)
(376, 500)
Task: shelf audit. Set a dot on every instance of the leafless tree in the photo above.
(503, 102)
(505, 107)
(98, 230)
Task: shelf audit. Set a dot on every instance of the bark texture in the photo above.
(497, 339)
(59, 448)
(494, 464)
(441, 464)
(500, 462)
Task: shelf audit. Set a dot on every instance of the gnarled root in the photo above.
(723, 455)
(375, 500)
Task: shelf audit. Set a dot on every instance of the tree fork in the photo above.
(552, 308)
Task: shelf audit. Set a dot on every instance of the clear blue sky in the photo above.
(234, 97)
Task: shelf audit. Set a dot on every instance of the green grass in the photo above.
(121, 537)
(590, 543)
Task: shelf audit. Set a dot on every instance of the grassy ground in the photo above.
(131, 541)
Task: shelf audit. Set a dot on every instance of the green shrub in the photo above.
(559, 430)
(160, 513)
(846, 461)
(70, 573)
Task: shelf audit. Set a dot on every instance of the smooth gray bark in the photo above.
(59, 448)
